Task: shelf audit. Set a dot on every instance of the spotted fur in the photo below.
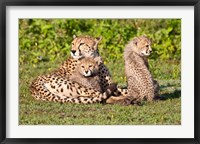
(58, 85)
(86, 73)
(82, 46)
(141, 84)
(58, 89)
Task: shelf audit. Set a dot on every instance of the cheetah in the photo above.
(141, 84)
(67, 91)
(140, 81)
(57, 86)
(86, 46)
(82, 46)
(86, 73)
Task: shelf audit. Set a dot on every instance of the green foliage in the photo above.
(47, 39)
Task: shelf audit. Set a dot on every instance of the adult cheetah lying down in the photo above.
(139, 79)
(57, 86)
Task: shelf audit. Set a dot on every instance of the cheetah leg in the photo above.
(105, 77)
(121, 91)
(121, 100)
(130, 95)
(154, 94)
(156, 88)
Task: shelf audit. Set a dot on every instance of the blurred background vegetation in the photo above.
(47, 39)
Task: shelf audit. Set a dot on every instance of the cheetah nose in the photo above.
(73, 51)
(86, 72)
(150, 50)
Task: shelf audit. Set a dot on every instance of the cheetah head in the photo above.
(88, 66)
(142, 46)
(84, 46)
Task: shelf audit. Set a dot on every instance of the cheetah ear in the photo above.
(74, 36)
(79, 61)
(144, 35)
(98, 60)
(135, 41)
(98, 39)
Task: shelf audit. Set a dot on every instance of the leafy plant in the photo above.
(47, 39)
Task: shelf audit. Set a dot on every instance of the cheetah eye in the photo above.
(90, 66)
(147, 45)
(81, 44)
(73, 44)
(87, 45)
(82, 66)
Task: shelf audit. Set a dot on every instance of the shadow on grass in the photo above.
(162, 87)
(166, 95)
(172, 95)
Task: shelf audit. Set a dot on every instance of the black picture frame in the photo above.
(5, 3)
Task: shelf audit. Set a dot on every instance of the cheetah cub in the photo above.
(140, 81)
(86, 73)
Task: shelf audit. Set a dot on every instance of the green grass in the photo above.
(164, 112)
